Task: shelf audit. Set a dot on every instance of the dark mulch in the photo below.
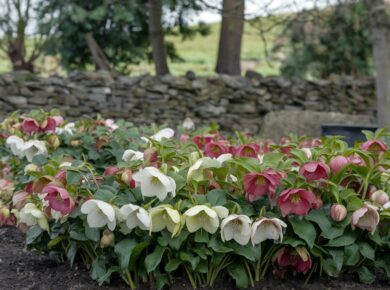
(21, 269)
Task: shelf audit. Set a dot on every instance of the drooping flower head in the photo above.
(59, 199)
(295, 201)
(31, 215)
(236, 227)
(267, 229)
(165, 217)
(99, 214)
(314, 170)
(204, 217)
(337, 163)
(374, 146)
(298, 258)
(135, 216)
(155, 183)
(247, 150)
(216, 149)
(365, 218)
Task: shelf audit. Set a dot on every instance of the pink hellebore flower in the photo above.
(184, 138)
(201, 141)
(30, 125)
(298, 258)
(59, 120)
(374, 146)
(247, 150)
(314, 170)
(338, 212)
(356, 160)
(111, 170)
(49, 125)
(59, 199)
(259, 184)
(216, 149)
(338, 162)
(296, 201)
(61, 176)
(365, 218)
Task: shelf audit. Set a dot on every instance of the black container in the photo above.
(352, 133)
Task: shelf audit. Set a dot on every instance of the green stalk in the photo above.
(190, 277)
(249, 273)
(130, 280)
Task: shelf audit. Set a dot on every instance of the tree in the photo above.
(15, 18)
(380, 27)
(230, 39)
(157, 37)
(107, 34)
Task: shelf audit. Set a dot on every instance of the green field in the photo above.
(199, 55)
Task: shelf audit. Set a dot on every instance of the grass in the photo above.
(199, 55)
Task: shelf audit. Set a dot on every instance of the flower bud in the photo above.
(107, 239)
(150, 155)
(54, 141)
(31, 168)
(75, 143)
(379, 197)
(126, 178)
(193, 157)
(338, 212)
(337, 163)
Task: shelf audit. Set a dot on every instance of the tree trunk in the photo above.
(230, 39)
(156, 35)
(97, 53)
(380, 28)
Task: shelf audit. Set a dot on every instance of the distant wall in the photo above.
(232, 102)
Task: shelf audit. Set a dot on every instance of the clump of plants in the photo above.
(150, 204)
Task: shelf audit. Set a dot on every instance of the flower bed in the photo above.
(146, 205)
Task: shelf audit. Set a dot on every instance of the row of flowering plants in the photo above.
(150, 205)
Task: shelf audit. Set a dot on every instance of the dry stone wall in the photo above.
(232, 102)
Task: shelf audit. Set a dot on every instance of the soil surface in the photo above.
(21, 269)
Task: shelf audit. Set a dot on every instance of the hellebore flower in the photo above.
(132, 155)
(166, 133)
(107, 239)
(196, 171)
(30, 125)
(298, 258)
(49, 125)
(188, 124)
(295, 201)
(314, 171)
(338, 162)
(111, 171)
(31, 215)
(19, 199)
(16, 145)
(68, 128)
(202, 140)
(155, 183)
(374, 146)
(111, 124)
(135, 216)
(365, 218)
(380, 197)
(236, 227)
(33, 148)
(247, 150)
(338, 212)
(267, 229)
(260, 184)
(99, 214)
(216, 148)
(165, 216)
(59, 120)
(204, 217)
(59, 199)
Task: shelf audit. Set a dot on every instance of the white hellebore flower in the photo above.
(110, 123)
(31, 215)
(165, 216)
(267, 229)
(68, 128)
(135, 216)
(33, 148)
(99, 214)
(164, 133)
(188, 124)
(204, 217)
(236, 227)
(155, 183)
(196, 171)
(16, 145)
(132, 155)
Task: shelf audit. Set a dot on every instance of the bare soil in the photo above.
(21, 270)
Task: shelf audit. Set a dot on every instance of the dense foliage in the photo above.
(143, 204)
(333, 41)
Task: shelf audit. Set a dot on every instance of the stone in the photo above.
(190, 75)
(251, 74)
(17, 100)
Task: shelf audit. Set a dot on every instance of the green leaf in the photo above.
(201, 237)
(71, 254)
(104, 194)
(365, 275)
(332, 266)
(249, 252)
(55, 242)
(346, 239)
(217, 246)
(324, 222)
(293, 242)
(73, 177)
(39, 160)
(92, 234)
(239, 274)
(351, 255)
(366, 250)
(153, 260)
(304, 229)
(33, 233)
(216, 197)
(172, 265)
(137, 252)
(187, 257)
(124, 249)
